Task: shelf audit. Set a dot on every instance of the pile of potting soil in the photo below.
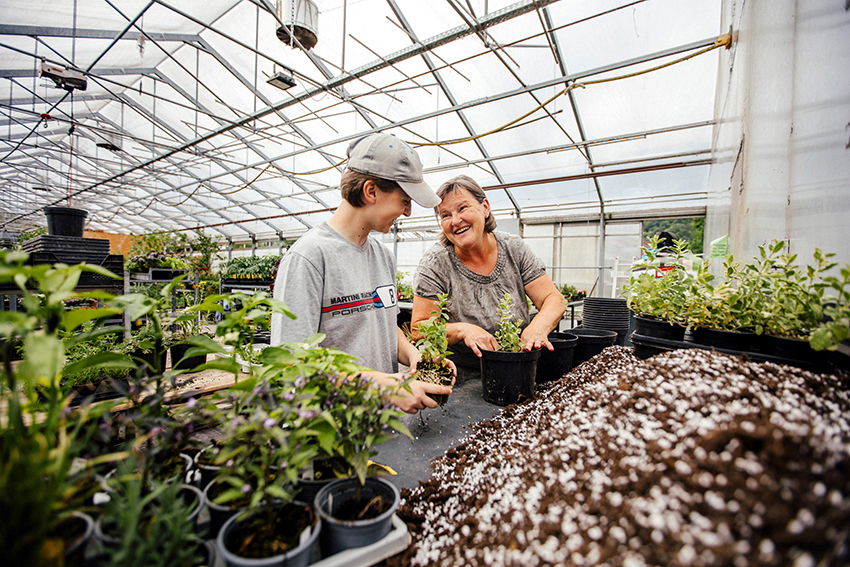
(688, 458)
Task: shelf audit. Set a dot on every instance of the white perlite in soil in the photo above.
(688, 458)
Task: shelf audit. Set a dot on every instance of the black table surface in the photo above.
(434, 431)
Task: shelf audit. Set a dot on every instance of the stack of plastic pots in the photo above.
(610, 314)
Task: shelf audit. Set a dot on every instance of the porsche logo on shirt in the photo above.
(382, 297)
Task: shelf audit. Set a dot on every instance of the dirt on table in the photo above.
(688, 458)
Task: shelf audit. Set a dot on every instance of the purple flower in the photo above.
(284, 465)
(300, 381)
(289, 396)
(246, 488)
(269, 423)
(191, 403)
(307, 414)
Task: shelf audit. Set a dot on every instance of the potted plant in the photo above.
(656, 297)
(433, 346)
(262, 448)
(40, 437)
(185, 325)
(149, 523)
(350, 417)
(834, 332)
(572, 293)
(508, 375)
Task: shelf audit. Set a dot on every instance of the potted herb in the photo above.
(263, 445)
(834, 332)
(508, 375)
(149, 523)
(433, 346)
(350, 417)
(656, 297)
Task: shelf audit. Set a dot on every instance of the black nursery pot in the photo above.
(554, 364)
(65, 221)
(508, 377)
(722, 339)
(659, 329)
(336, 498)
(591, 342)
(178, 351)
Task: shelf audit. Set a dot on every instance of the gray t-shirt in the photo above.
(342, 290)
(474, 298)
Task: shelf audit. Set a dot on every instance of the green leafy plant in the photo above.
(433, 346)
(508, 333)
(150, 524)
(39, 436)
(265, 440)
(91, 341)
(651, 292)
(836, 326)
(242, 316)
(349, 413)
(572, 293)
(250, 267)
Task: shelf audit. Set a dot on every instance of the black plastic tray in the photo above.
(648, 346)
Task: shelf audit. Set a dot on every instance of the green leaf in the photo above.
(400, 427)
(72, 319)
(101, 360)
(226, 364)
(43, 358)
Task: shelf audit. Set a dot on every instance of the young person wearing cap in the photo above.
(339, 281)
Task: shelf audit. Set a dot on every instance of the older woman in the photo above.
(476, 265)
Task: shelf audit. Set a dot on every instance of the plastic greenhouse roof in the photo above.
(505, 92)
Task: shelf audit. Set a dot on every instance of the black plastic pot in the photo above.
(554, 364)
(591, 342)
(154, 363)
(338, 535)
(65, 221)
(722, 339)
(219, 514)
(659, 328)
(796, 349)
(508, 377)
(178, 351)
(298, 557)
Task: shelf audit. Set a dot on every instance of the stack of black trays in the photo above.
(50, 249)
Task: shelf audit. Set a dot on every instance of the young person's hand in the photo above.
(412, 397)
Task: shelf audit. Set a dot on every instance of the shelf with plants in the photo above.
(249, 272)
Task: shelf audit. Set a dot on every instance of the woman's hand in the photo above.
(533, 339)
(475, 337)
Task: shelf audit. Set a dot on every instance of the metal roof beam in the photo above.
(52, 31)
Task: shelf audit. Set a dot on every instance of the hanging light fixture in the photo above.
(300, 23)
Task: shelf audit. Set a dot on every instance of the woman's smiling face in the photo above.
(462, 217)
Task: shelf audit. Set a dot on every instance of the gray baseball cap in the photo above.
(388, 157)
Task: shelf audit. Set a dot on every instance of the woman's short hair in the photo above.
(351, 186)
(468, 183)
